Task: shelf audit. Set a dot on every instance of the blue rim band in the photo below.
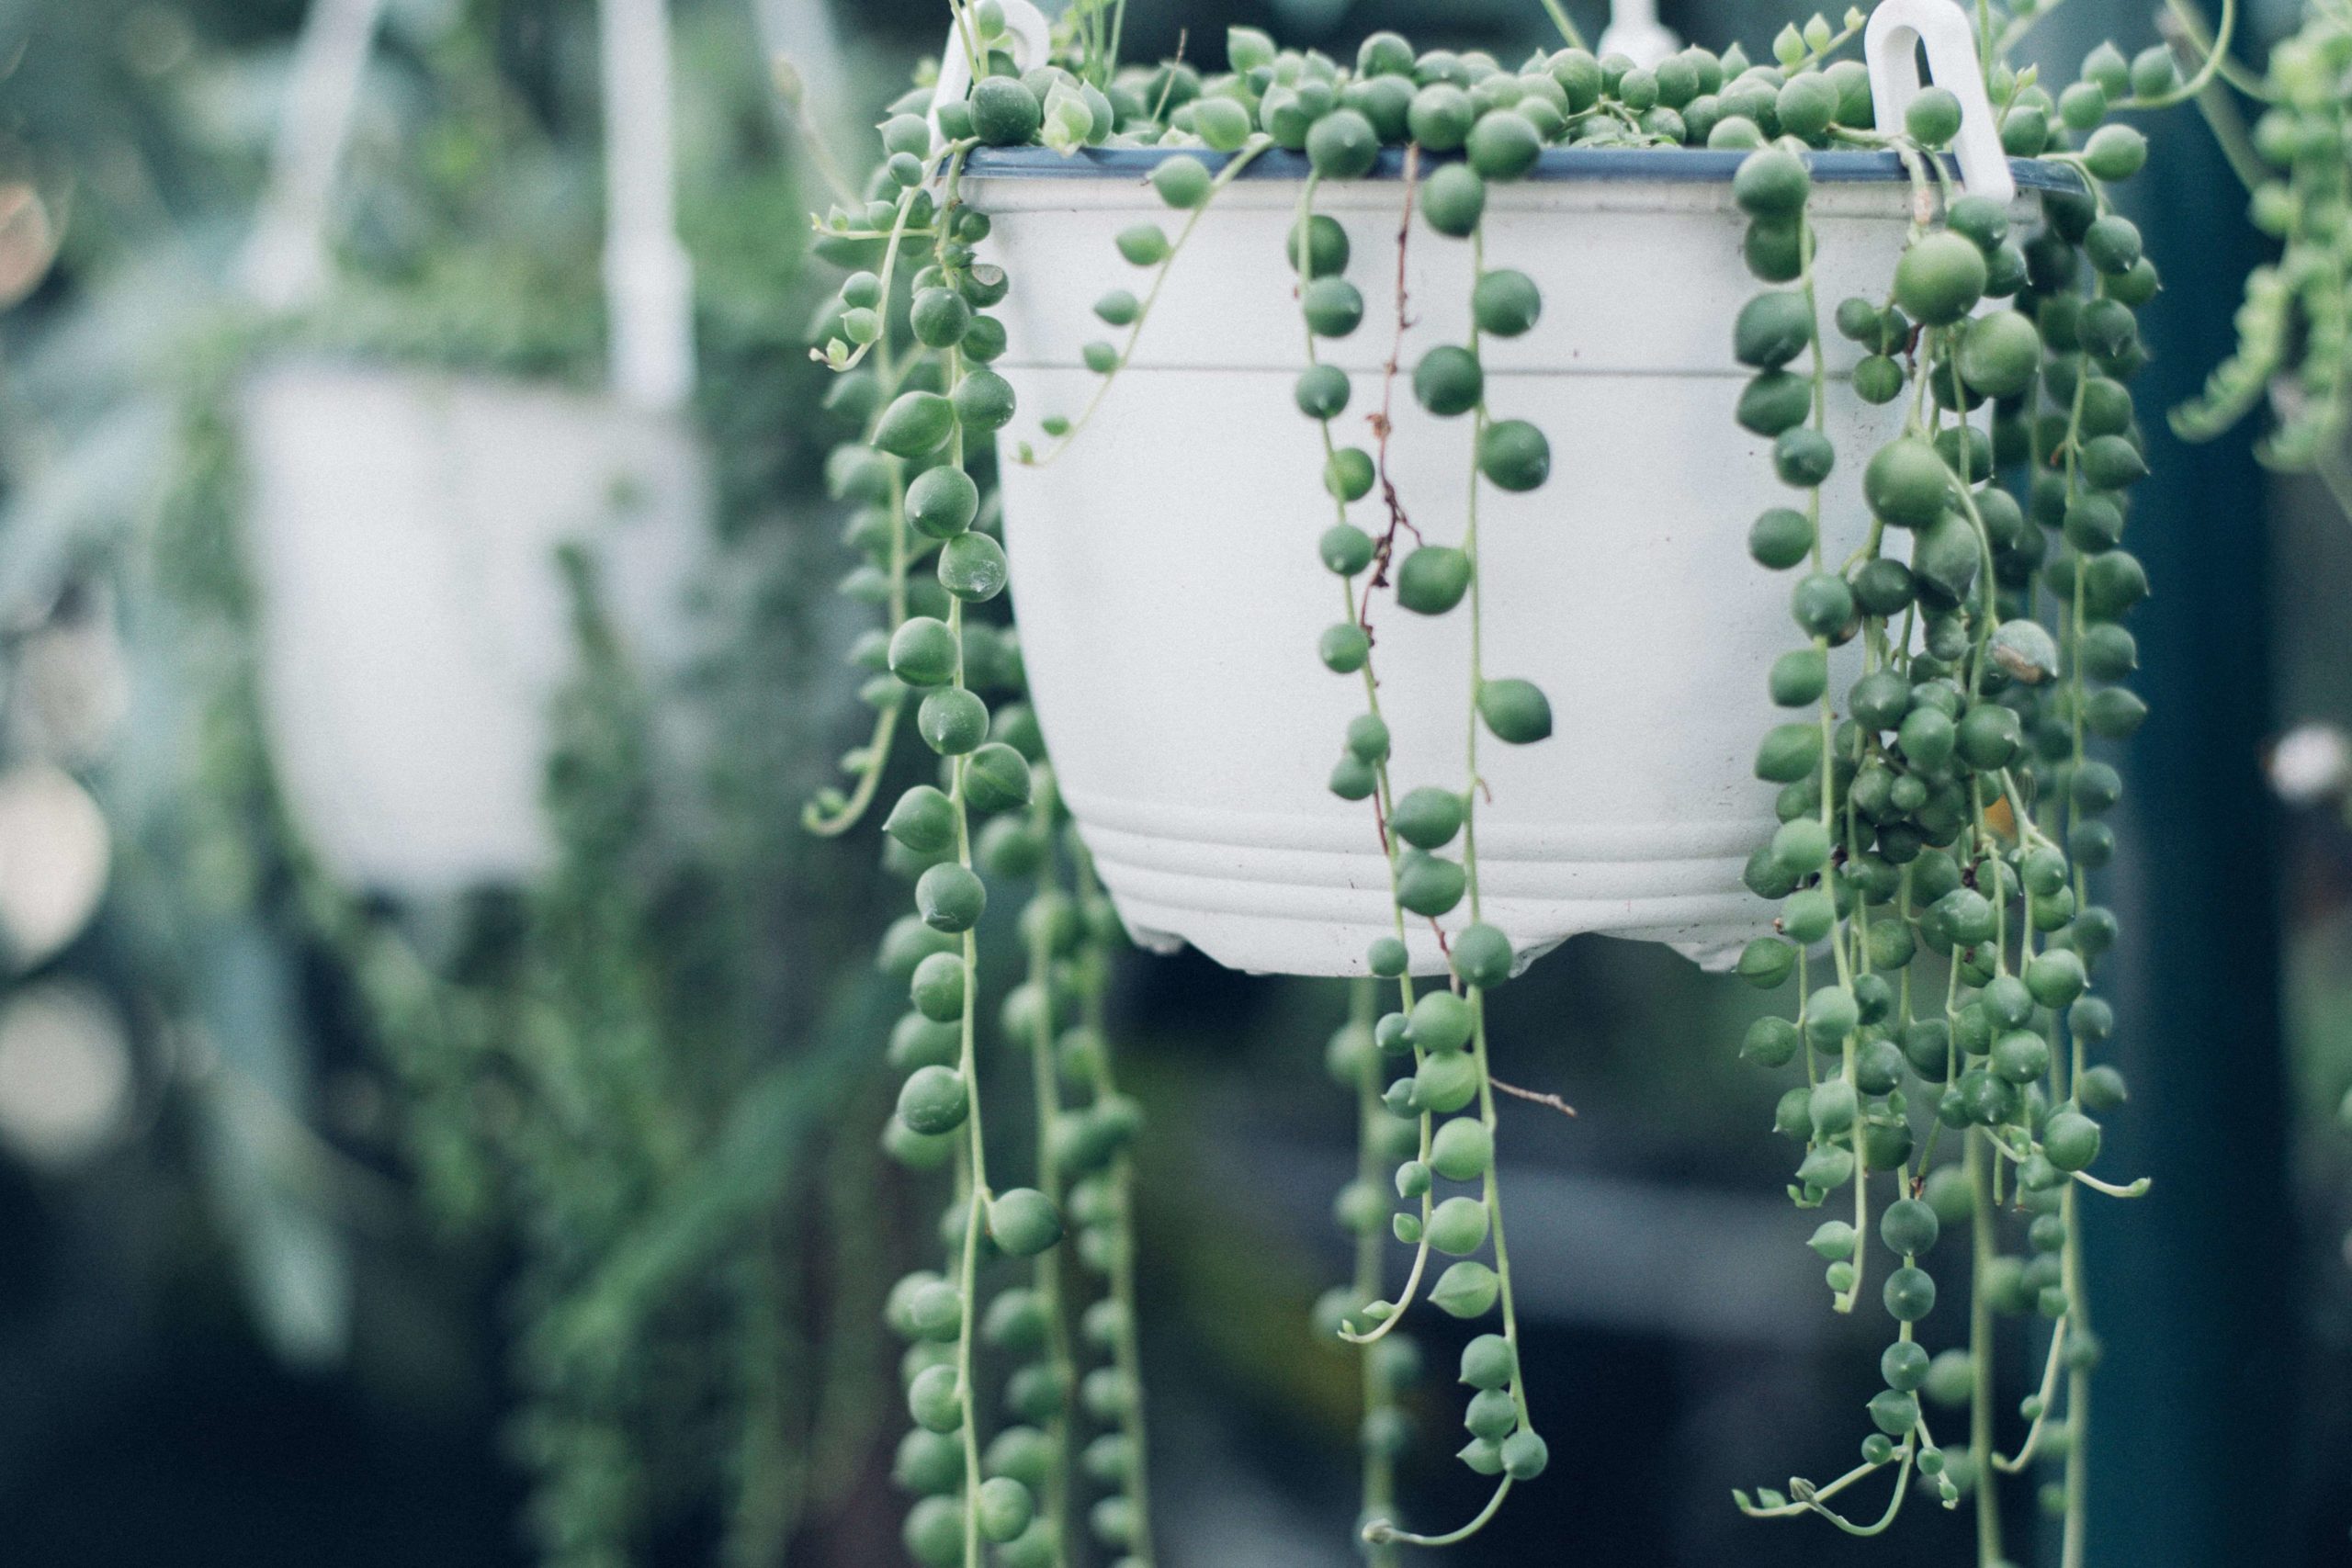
(1606, 165)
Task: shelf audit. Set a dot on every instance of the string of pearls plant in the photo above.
(1953, 809)
(2295, 327)
(1939, 801)
(919, 387)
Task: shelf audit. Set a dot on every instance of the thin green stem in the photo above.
(1471, 784)
(975, 1210)
(1980, 1356)
(2075, 1527)
(2216, 58)
(1127, 1356)
(1493, 1197)
(874, 757)
(967, 1066)
(1379, 1399)
(1384, 800)
(1473, 787)
(2019, 26)
(967, 31)
(1226, 176)
(1560, 19)
(950, 158)
(1894, 1503)
(2049, 1391)
(1844, 1300)
(1380, 1532)
(1815, 1494)
(1047, 1267)
(1127, 1349)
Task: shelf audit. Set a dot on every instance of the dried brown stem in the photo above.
(1382, 424)
(1553, 1100)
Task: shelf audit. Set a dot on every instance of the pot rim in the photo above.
(1598, 166)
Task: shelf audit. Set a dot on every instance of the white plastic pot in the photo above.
(406, 522)
(414, 623)
(1165, 576)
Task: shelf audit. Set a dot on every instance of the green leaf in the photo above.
(1246, 49)
(1069, 120)
(2026, 650)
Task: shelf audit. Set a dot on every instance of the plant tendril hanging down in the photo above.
(1443, 1032)
(2294, 327)
(1393, 1363)
(927, 408)
(1951, 812)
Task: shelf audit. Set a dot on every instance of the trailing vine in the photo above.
(1442, 1031)
(2294, 327)
(1950, 804)
(1392, 1364)
(1939, 796)
(929, 406)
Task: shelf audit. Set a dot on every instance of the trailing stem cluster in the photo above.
(2295, 326)
(1940, 808)
(1432, 1046)
(912, 340)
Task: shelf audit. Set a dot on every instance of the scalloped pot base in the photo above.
(1164, 571)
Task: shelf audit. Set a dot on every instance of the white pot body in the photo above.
(1165, 573)
(414, 623)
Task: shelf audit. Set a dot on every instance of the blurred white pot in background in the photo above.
(403, 526)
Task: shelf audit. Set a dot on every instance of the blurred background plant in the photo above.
(519, 1205)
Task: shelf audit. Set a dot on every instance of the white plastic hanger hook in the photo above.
(1030, 34)
(285, 265)
(1897, 29)
(1635, 31)
(649, 278)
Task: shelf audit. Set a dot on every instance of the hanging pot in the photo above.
(415, 625)
(1164, 565)
(405, 523)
